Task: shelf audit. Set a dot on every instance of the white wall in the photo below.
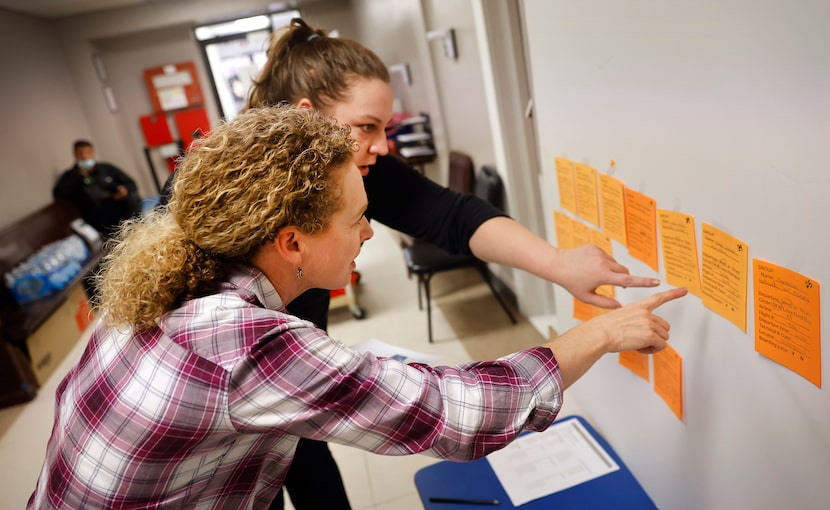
(51, 94)
(41, 115)
(450, 90)
(467, 109)
(460, 80)
(132, 39)
(719, 110)
(395, 30)
(125, 59)
(505, 83)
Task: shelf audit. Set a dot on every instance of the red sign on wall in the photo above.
(174, 87)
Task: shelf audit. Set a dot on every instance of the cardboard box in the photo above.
(52, 341)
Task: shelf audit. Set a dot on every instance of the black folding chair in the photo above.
(425, 259)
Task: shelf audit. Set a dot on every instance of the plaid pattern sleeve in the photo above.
(205, 410)
(320, 389)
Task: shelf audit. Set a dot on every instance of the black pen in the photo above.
(493, 502)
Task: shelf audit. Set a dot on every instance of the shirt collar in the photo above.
(254, 280)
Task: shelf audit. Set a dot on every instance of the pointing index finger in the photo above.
(664, 297)
(626, 280)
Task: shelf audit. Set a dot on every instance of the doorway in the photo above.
(234, 52)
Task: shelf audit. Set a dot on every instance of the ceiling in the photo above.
(53, 9)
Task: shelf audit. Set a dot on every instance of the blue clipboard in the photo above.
(476, 480)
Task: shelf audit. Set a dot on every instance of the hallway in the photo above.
(468, 324)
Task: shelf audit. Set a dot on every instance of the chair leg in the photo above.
(485, 274)
(420, 284)
(429, 306)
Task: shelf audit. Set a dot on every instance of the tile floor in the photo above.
(468, 324)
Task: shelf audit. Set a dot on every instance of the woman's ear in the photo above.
(288, 245)
(305, 102)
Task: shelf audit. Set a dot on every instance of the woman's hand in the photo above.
(632, 327)
(120, 193)
(636, 327)
(579, 270)
(582, 270)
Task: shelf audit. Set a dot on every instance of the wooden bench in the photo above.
(20, 323)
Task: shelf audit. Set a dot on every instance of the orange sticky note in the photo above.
(641, 227)
(636, 362)
(677, 236)
(601, 240)
(724, 267)
(581, 234)
(668, 379)
(604, 243)
(564, 230)
(587, 200)
(566, 182)
(582, 311)
(788, 319)
(612, 207)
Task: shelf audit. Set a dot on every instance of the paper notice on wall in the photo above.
(677, 234)
(587, 196)
(564, 225)
(604, 243)
(635, 361)
(668, 379)
(788, 319)
(724, 268)
(565, 180)
(172, 98)
(582, 311)
(641, 227)
(612, 200)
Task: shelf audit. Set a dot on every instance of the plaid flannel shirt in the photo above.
(205, 410)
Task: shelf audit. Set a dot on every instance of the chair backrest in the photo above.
(489, 186)
(462, 172)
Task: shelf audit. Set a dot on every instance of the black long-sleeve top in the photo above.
(403, 199)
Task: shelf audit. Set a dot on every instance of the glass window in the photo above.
(235, 51)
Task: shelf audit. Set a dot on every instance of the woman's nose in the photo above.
(368, 231)
(379, 144)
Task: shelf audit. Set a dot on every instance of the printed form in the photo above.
(542, 463)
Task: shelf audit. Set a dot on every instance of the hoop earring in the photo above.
(299, 273)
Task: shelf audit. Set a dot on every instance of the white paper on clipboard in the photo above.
(542, 463)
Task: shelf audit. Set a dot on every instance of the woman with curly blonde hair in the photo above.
(197, 385)
(158, 410)
(269, 175)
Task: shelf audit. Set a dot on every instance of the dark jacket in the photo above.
(93, 196)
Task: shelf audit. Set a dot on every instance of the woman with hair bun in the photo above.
(349, 82)
(197, 383)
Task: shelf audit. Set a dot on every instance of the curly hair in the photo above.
(269, 168)
(305, 62)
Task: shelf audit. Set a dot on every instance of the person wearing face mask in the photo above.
(104, 195)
